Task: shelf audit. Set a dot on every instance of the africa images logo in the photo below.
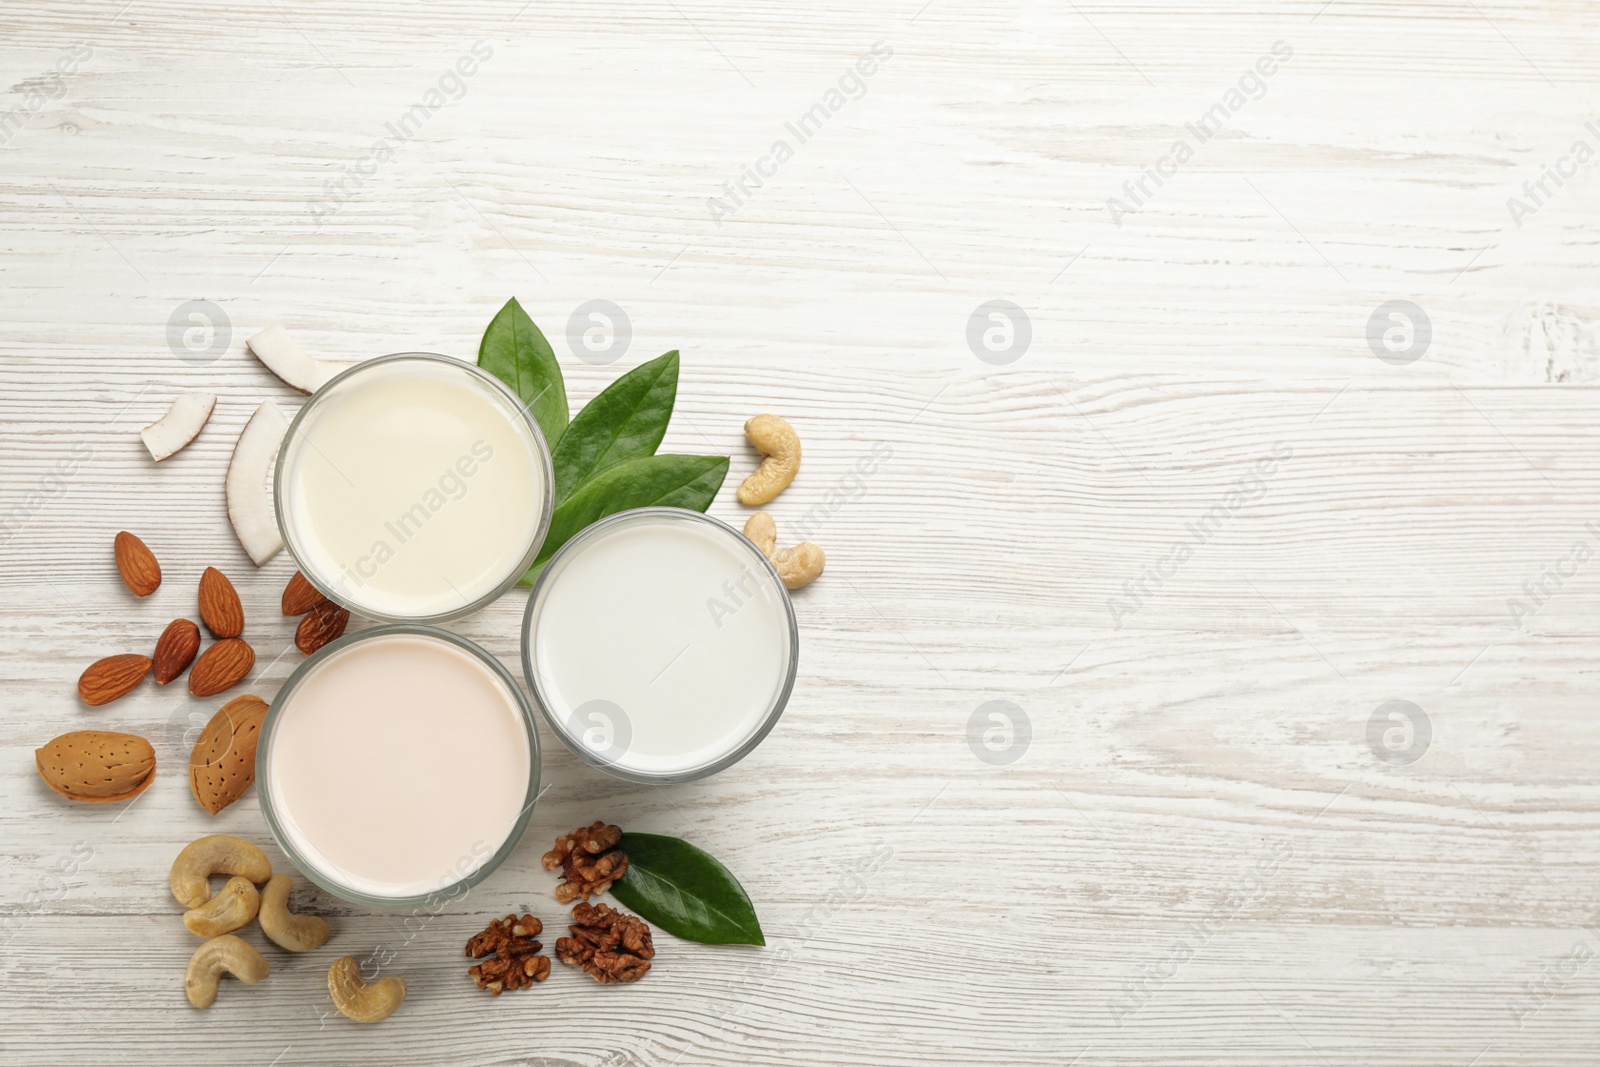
(1252, 85)
(1536, 193)
(851, 85)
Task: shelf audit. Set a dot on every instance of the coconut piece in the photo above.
(172, 432)
(250, 507)
(284, 357)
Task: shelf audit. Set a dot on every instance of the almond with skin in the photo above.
(220, 609)
(137, 564)
(97, 766)
(300, 596)
(112, 677)
(325, 623)
(220, 667)
(223, 763)
(175, 650)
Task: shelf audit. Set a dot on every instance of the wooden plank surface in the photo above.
(1196, 856)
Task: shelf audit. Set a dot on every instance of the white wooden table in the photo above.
(1193, 852)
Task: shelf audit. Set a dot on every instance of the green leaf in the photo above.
(686, 892)
(649, 481)
(627, 420)
(514, 351)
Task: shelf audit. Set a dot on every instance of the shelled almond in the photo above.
(324, 623)
(115, 676)
(175, 650)
(300, 596)
(221, 667)
(137, 564)
(220, 609)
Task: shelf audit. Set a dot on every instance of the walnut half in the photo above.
(610, 946)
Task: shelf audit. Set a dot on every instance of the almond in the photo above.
(223, 763)
(300, 596)
(222, 666)
(137, 564)
(220, 609)
(112, 677)
(175, 650)
(325, 623)
(97, 766)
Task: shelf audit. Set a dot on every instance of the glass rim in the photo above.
(311, 871)
(544, 704)
(344, 600)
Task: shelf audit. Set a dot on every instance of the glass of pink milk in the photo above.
(398, 766)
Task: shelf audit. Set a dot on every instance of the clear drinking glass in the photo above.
(596, 718)
(450, 888)
(340, 579)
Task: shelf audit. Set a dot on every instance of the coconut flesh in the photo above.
(284, 357)
(182, 423)
(249, 489)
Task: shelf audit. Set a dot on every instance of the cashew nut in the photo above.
(800, 565)
(780, 447)
(221, 954)
(797, 566)
(760, 529)
(217, 854)
(224, 913)
(297, 933)
(357, 1000)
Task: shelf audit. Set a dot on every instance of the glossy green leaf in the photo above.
(626, 421)
(686, 892)
(649, 481)
(514, 351)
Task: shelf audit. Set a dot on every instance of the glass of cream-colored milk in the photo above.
(413, 488)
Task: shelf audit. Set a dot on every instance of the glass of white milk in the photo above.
(660, 645)
(413, 488)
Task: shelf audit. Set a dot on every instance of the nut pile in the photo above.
(779, 446)
(589, 860)
(220, 667)
(515, 962)
(101, 766)
(610, 946)
(321, 620)
(217, 917)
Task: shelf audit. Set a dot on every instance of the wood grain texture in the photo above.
(1197, 858)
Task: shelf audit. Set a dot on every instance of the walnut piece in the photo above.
(610, 946)
(516, 963)
(589, 861)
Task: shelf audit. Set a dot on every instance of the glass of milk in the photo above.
(398, 766)
(413, 488)
(660, 645)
